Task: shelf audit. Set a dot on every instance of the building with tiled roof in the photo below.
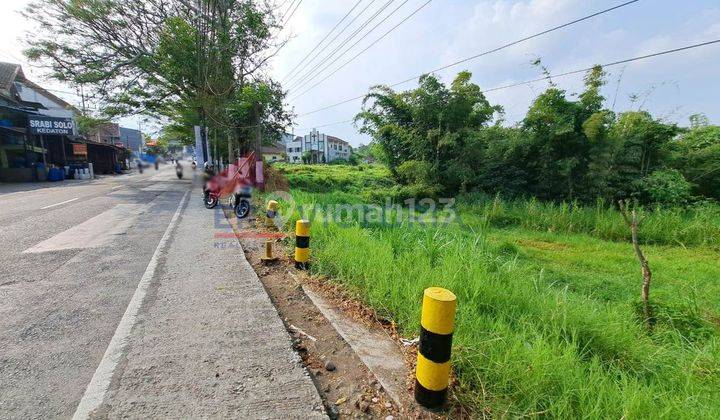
(317, 148)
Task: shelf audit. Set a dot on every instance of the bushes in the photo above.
(691, 226)
(524, 346)
(666, 187)
(326, 178)
(535, 336)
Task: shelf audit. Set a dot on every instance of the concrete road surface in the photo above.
(122, 297)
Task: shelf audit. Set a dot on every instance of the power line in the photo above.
(509, 44)
(586, 69)
(282, 18)
(308, 73)
(323, 40)
(325, 125)
(327, 62)
(305, 65)
(614, 63)
(292, 13)
(316, 70)
(364, 50)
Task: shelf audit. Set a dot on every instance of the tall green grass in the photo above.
(533, 336)
(522, 346)
(684, 226)
(695, 225)
(329, 178)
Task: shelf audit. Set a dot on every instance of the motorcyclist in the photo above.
(207, 174)
(178, 169)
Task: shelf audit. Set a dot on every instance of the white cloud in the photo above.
(445, 31)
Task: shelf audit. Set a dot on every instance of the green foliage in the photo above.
(667, 186)
(87, 124)
(697, 156)
(690, 225)
(149, 57)
(447, 140)
(546, 311)
(326, 178)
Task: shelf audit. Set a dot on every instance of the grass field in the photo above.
(548, 319)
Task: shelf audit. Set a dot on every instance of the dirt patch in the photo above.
(544, 245)
(348, 389)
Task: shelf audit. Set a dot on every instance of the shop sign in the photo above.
(79, 149)
(40, 124)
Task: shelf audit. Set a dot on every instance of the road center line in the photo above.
(100, 382)
(58, 204)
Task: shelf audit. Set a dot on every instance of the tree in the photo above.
(426, 128)
(697, 156)
(631, 218)
(641, 145)
(179, 59)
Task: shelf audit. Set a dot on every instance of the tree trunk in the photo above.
(257, 144)
(632, 221)
(230, 148)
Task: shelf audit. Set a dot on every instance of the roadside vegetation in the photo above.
(549, 320)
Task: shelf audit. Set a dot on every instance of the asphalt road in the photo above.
(78, 260)
(59, 308)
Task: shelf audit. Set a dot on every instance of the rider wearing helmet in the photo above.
(208, 173)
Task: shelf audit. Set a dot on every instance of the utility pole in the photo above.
(257, 144)
(82, 97)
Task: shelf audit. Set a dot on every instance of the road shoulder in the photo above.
(208, 341)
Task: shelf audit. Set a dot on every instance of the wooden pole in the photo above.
(62, 146)
(42, 145)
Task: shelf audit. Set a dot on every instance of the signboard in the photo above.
(79, 149)
(40, 124)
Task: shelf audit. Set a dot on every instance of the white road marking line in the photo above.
(95, 232)
(100, 382)
(59, 204)
(117, 186)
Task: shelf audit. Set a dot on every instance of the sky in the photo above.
(672, 87)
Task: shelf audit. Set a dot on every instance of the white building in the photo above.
(320, 147)
(53, 105)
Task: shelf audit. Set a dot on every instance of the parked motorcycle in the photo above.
(240, 202)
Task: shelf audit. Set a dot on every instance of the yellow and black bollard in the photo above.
(432, 374)
(270, 213)
(268, 257)
(302, 244)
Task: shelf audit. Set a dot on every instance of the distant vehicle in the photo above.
(178, 169)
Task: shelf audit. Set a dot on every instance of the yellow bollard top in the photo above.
(302, 228)
(438, 310)
(272, 205)
(440, 294)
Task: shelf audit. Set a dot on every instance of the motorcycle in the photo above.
(240, 202)
(179, 170)
(239, 189)
(194, 165)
